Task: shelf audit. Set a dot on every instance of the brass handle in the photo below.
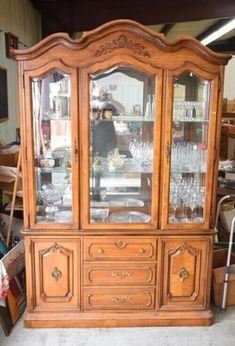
(75, 151)
(120, 300)
(100, 251)
(183, 274)
(141, 251)
(168, 152)
(124, 275)
(56, 274)
(120, 244)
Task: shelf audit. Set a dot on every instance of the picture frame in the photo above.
(3, 95)
(11, 42)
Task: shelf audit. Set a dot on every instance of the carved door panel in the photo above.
(185, 275)
(56, 270)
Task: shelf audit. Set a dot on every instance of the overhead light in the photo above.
(220, 32)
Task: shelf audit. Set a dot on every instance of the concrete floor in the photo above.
(222, 332)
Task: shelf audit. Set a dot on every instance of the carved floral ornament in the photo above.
(122, 42)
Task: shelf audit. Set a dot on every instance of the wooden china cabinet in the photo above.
(120, 134)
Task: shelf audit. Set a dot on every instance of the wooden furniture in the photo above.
(227, 132)
(120, 135)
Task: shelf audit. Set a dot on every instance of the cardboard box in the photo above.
(9, 159)
(218, 273)
(226, 215)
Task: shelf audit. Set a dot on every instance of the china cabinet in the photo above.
(120, 134)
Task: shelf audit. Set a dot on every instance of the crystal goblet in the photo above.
(50, 195)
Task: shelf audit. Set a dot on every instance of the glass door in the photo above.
(122, 120)
(189, 150)
(53, 150)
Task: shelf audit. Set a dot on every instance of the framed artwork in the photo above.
(11, 42)
(3, 95)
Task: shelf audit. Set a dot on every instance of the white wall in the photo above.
(21, 19)
(229, 80)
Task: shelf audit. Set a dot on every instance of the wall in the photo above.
(229, 80)
(21, 19)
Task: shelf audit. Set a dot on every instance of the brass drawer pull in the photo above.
(141, 251)
(100, 251)
(183, 274)
(56, 274)
(75, 151)
(120, 244)
(122, 300)
(124, 275)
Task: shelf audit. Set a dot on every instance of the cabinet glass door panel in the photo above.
(122, 109)
(51, 96)
(189, 145)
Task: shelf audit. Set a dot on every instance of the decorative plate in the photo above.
(129, 216)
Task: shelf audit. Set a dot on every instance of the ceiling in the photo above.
(179, 17)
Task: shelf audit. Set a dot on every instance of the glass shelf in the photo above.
(53, 169)
(190, 121)
(128, 167)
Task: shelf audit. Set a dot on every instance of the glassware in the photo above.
(51, 194)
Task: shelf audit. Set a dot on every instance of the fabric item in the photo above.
(4, 284)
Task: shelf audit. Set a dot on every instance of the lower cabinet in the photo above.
(130, 280)
(185, 272)
(55, 272)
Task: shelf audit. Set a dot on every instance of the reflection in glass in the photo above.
(51, 98)
(189, 149)
(122, 112)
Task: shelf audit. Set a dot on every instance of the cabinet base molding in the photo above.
(148, 319)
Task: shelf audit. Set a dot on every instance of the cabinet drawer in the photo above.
(119, 298)
(119, 249)
(111, 274)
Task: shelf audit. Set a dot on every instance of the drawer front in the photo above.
(119, 298)
(117, 274)
(119, 249)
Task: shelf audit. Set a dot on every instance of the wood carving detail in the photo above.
(122, 42)
(184, 248)
(56, 248)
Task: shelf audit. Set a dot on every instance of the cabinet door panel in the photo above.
(121, 128)
(184, 266)
(189, 154)
(56, 270)
(52, 146)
